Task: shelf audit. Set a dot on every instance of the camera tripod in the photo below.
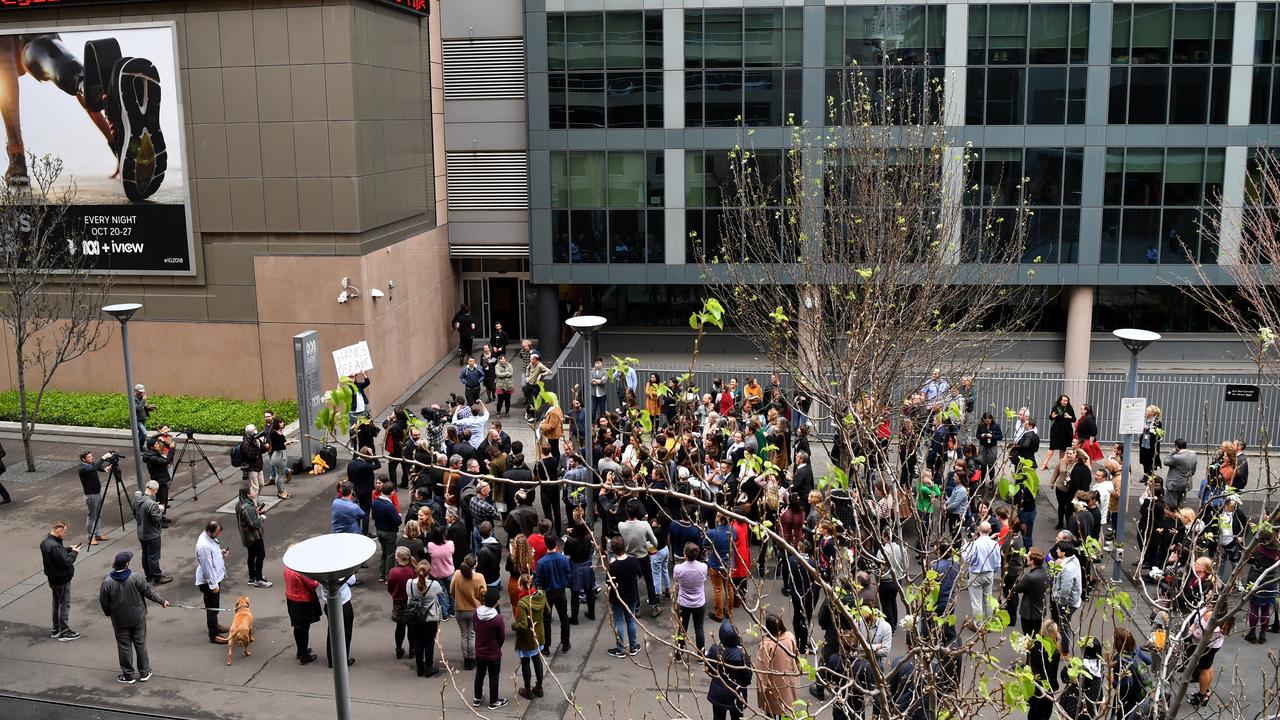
(190, 441)
(113, 478)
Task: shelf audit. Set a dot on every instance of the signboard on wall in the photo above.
(353, 359)
(306, 364)
(122, 152)
(418, 7)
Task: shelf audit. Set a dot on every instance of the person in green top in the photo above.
(926, 493)
(529, 638)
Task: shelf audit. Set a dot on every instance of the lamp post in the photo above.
(1136, 341)
(586, 326)
(331, 560)
(123, 312)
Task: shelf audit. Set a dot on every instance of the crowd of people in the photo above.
(691, 490)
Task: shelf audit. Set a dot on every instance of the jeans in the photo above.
(1028, 518)
(559, 600)
(551, 507)
(698, 614)
(387, 539)
(132, 640)
(490, 668)
(92, 506)
(348, 618)
(279, 468)
(624, 615)
(211, 597)
(446, 600)
(257, 552)
(1062, 616)
(980, 588)
(422, 642)
(721, 594)
(61, 606)
(467, 629)
(151, 559)
(658, 567)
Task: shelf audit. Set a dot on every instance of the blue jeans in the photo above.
(446, 600)
(620, 616)
(1028, 518)
(658, 568)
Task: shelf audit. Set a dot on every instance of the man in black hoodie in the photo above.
(123, 598)
(59, 567)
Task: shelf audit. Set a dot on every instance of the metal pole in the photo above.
(133, 409)
(1131, 390)
(587, 408)
(338, 649)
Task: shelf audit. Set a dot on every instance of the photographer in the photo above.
(251, 450)
(142, 411)
(472, 418)
(92, 486)
(158, 462)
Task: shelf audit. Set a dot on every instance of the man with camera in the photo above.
(158, 461)
(252, 448)
(149, 515)
(142, 411)
(91, 484)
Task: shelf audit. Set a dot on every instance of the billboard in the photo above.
(418, 7)
(105, 101)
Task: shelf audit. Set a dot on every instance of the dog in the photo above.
(241, 628)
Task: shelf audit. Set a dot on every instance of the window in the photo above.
(604, 70)
(742, 67)
(1171, 63)
(1047, 180)
(1027, 64)
(879, 52)
(1159, 308)
(1155, 202)
(714, 206)
(1266, 72)
(603, 207)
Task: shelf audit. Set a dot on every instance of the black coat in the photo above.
(1062, 428)
(59, 560)
(158, 466)
(802, 482)
(1087, 428)
(360, 475)
(1032, 588)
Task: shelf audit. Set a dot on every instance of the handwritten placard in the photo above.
(353, 359)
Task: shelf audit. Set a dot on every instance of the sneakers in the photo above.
(68, 635)
(635, 650)
(145, 676)
(617, 652)
(260, 583)
(1197, 699)
(499, 703)
(54, 634)
(477, 702)
(125, 679)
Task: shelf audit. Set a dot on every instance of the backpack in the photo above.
(772, 494)
(237, 460)
(422, 608)
(1136, 683)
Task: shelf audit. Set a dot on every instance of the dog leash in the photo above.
(199, 607)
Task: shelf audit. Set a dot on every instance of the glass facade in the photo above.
(1153, 199)
(711, 193)
(1027, 64)
(1171, 63)
(604, 70)
(742, 67)
(1265, 107)
(1047, 180)
(881, 52)
(601, 207)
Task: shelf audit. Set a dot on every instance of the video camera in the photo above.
(455, 400)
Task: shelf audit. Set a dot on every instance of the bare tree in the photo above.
(51, 305)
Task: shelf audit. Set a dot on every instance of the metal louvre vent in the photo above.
(483, 69)
(488, 180)
(481, 251)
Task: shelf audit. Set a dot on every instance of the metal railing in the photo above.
(1193, 406)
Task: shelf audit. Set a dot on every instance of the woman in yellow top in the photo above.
(653, 396)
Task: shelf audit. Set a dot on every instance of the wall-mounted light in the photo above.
(376, 293)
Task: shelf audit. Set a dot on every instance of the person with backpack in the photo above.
(1204, 666)
(730, 672)
(1131, 675)
(248, 456)
(1083, 694)
(530, 627)
(422, 614)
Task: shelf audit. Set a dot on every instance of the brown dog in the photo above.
(241, 628)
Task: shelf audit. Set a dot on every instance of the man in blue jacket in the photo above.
(552, 576)
(346, 514)
(720, 568)
(472, 377)
(386, 521)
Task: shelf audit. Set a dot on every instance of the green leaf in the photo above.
(695, 321)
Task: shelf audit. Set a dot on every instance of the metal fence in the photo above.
(1193, 406)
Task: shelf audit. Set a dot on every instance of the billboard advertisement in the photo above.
(105, 101)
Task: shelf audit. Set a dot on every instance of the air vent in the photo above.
(485, 69)
(488, 180)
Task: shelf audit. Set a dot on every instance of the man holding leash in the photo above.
(123, 598)
(211, 570)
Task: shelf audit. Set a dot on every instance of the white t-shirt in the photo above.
(1104, 490)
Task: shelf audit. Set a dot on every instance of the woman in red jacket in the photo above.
(304, 610)
(741, 560)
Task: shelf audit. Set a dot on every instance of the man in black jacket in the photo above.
(360, 475)
(802, 479)
(59, 568)
(123, 598)
(158, 462)
(252, 447)
(1027, 444)
(91, 484)
(149, 515)
(1031, 590)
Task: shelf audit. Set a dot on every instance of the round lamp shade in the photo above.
(330, 557)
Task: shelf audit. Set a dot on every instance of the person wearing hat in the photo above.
(142, 410)
(123, 598)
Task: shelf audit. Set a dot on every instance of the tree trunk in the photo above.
(24, 420)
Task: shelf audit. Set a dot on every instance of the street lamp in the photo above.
(330, 560)
(586, 326)
(123, 312)
(1135, 341)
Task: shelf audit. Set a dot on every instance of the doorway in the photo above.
(500, 298)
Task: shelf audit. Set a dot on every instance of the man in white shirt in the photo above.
(1105, 487)
(473, 418)
(211, 570)
(982, 556)
(348, 617)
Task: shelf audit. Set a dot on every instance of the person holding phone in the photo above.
(59, 568)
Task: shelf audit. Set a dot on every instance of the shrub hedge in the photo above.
(214, 416)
